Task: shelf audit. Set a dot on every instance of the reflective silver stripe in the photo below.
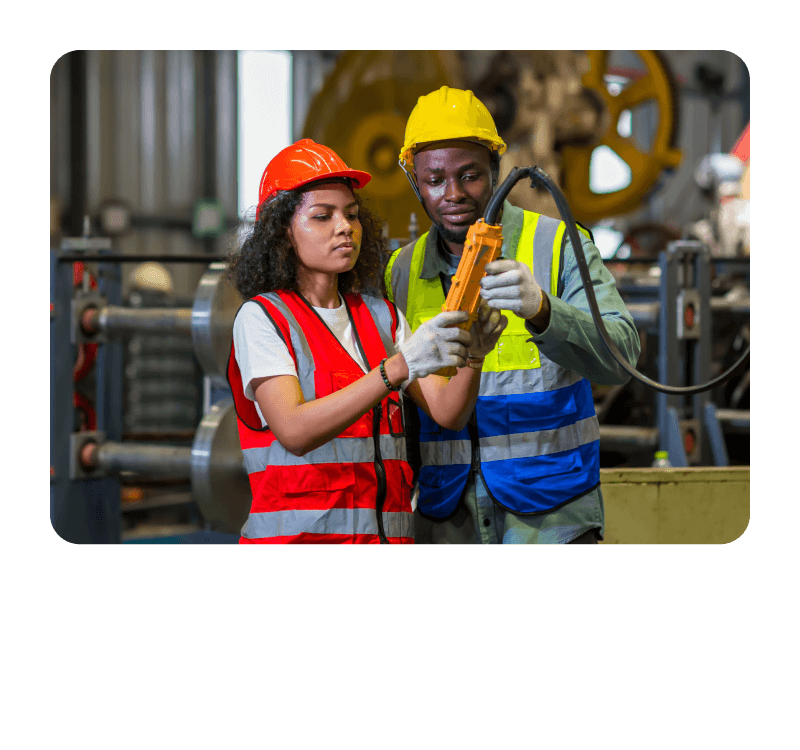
(542, 443)
(401, 273)
(393, 447)
(330, 521)
(548, 377)
(546, 229)
(512, 229)
(336, 451)
(305, 359)
(383, 321)
(445, 452)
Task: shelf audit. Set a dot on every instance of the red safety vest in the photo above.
(334, 492)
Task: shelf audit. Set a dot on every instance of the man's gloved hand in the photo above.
(486, 331)
(436, 344)
(509, 285)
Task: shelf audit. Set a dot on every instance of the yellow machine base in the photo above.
(676, 506)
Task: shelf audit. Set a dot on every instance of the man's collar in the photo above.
(434, 263)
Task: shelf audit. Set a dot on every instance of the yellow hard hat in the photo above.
(152, 276)
(447, 114)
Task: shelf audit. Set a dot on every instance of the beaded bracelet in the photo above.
(382, 368)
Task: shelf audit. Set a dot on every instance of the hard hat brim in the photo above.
(492, 144)
(358, 179)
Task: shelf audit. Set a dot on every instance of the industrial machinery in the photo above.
(696, 303)
(89, 460)
(568, 105)
(552, 108)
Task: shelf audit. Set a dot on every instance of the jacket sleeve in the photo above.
(571, 339)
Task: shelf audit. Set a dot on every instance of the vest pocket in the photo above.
(513, 352)
(315, 478)
(408, 474)
(430, 476)
(557, 473)
(555, 409)
(337, 380)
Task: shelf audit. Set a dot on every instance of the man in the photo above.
(526, 469)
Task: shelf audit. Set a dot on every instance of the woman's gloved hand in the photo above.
(485, 331)
(509, 285)
(437, 344)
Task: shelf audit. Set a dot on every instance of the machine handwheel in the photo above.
(652, 83)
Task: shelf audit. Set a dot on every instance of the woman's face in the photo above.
(325, 229)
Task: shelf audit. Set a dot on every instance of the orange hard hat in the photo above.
(304, 162)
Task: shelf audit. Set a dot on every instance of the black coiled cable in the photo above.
(538, 175)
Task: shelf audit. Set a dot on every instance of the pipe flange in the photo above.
(81, 303)
(79, 442)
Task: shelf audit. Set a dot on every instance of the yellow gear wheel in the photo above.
(372, 144)
(652, 83)
(361, 113)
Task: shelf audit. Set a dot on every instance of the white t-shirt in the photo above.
(261, 353)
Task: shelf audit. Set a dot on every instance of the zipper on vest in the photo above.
(380, 471)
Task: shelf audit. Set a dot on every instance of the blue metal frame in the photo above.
(686, 265)
(84, 510)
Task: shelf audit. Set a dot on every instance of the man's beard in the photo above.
(448, 235)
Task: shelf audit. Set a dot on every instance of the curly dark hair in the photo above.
(266, 260)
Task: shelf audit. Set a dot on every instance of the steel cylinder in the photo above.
(215, 306)
(122, 321)
(624, 437)
(645, 314)
(153, 460)
(214, 464)
(219, 480)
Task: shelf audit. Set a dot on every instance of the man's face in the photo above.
(455, 182)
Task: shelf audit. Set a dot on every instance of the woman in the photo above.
(319, 356)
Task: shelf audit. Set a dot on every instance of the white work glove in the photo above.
(485, 331)
(436, 344)
(509, 285)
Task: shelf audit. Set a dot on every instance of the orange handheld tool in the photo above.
(481, 247)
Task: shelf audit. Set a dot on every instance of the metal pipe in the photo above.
(153, 460)
(735, 418)
(627, 437)
(78, 146)
(645, 314)
(122, 321)
(719, 304)
(85, 257)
